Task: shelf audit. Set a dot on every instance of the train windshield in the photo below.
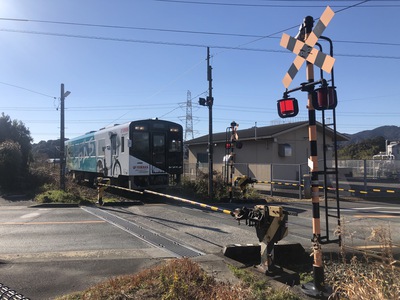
(141, 145)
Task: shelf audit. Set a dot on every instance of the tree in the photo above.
(363, 150)
(10, 164)
(14, 130)
(15, 151)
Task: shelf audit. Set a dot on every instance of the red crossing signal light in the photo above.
(228, 145)
(324, 98)
(288, 107)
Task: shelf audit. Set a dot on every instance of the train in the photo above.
(136, 155)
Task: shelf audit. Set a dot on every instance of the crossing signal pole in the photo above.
(318, 269)
(302, 45)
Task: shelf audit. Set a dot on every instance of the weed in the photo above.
(362, 277)
(181, 279)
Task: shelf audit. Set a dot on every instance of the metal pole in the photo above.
(335, 142)
(318, 269)
(62, 141)
(210, 101)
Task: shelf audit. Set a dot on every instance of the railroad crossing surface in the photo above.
(49, 251)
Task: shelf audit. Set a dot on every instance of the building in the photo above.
(282, 150)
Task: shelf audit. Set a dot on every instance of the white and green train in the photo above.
(137, 154)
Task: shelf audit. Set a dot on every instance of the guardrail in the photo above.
(361, 192)
(286, 184)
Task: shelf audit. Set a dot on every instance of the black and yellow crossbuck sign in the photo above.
(306, 51)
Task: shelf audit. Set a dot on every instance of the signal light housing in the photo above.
(324, 98)
(234, 144)
(206, 101)
(287, 107)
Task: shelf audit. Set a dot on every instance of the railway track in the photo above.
(176, 248)
(374, 253)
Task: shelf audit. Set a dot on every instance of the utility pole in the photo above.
(62, 138)
(210, 101)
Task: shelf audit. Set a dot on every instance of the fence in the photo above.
(370, 169)
(359, 175)
(8, 294)
(265, 173)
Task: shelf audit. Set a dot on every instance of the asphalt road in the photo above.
(50, 251)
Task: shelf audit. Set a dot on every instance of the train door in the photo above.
(159, 153)
(115, 164)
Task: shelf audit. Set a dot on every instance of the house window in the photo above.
(284, 150)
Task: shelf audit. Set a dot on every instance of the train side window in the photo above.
(114, 144)
(122, 144)
(101, 146)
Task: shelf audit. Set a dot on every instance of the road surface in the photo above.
(50, 251)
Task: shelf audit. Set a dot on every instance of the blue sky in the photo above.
(137, 59)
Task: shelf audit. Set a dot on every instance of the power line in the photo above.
(133, 28)
(241, 48)
(268, 5)
(29, 90)
(271, 36)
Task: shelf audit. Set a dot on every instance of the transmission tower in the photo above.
(189, 117)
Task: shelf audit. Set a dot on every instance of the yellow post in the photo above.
(102, 184)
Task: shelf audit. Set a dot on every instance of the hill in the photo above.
(50, 149)
(390, 133)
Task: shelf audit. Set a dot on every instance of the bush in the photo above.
(42, 175)
(10, 165)
(179, 279)
(199, 187)
(58, 196)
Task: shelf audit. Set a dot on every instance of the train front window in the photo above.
(175, 146)
(140, 145)
(158, 143)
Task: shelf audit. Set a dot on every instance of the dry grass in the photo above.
(178, 279)
(364, 278)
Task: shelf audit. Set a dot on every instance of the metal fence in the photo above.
(360, 175)
(8, 294)
(371, 169)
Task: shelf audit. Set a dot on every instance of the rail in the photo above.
(365, 251)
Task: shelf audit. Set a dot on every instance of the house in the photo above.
(282, 150)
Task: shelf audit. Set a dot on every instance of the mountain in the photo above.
(390, 133)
